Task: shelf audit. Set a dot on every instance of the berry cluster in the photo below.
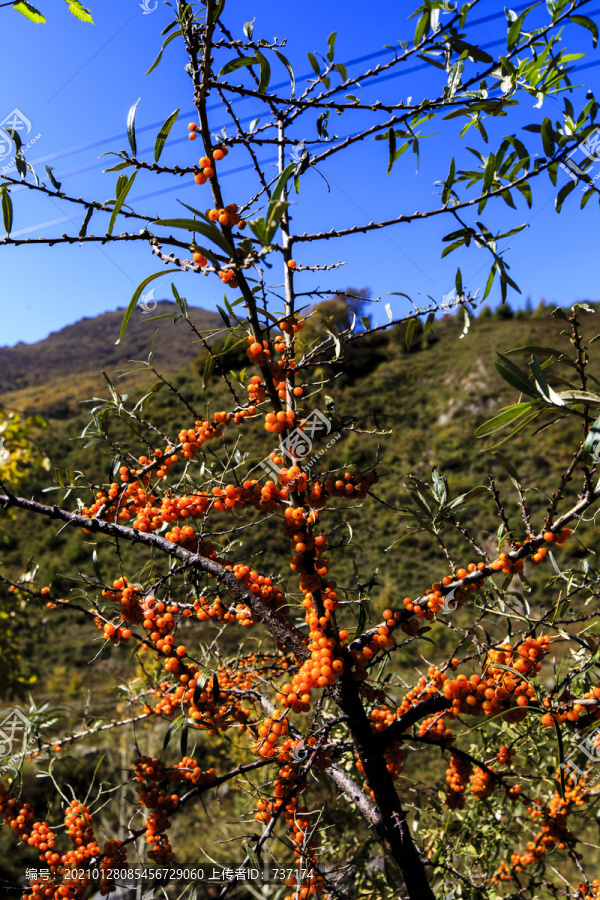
(458, 775)
(150, 771)
(296, 817)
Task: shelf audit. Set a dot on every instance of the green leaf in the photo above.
(547, 137)
(113, 392)
(132, 303)
(50, 173)
(490, 280)
(449, 182)
(29, 11)
(288, 66)
(586, 23)
(249, 28)
(504, 416)
(259, 228)
(209, 231)
(467, 322)
(181, 301)
(237, 63)
(591, 448)
(362, 621)
(7, 210)
(86, 221)
(458, 283)
(79, 11)
(183, 740)
(280, 186)
(392, 149)
(173, 727)
(252, 857)
(218, 10)
(563, 194)
(209, 366)
(331, 42)
(265, 72)
(162, 50)
(97, 570)
(511, 373)
(440, 486)
(118, 167)
(526, 421)
(120, 201)
(535, 348)
(465, 498)
(197, 691)
(549, 395)
(131, 128)
(514, 31)
(276, 211)
(422, 27)
(454, 77)
(163, 134)
(224, 316)
(512, 472)
(152, 390)
(581, 396)
(315, 65)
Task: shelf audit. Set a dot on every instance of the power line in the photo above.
(376, 54)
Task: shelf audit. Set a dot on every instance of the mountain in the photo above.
(52, 375)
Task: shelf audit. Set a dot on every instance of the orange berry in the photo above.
(292, 264)
(192, 126)
(548, 536)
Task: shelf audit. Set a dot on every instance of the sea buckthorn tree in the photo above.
(332, 744)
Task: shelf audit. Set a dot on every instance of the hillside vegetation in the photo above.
(52, 375)
(414, 411)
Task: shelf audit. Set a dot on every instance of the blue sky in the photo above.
(75, 83)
